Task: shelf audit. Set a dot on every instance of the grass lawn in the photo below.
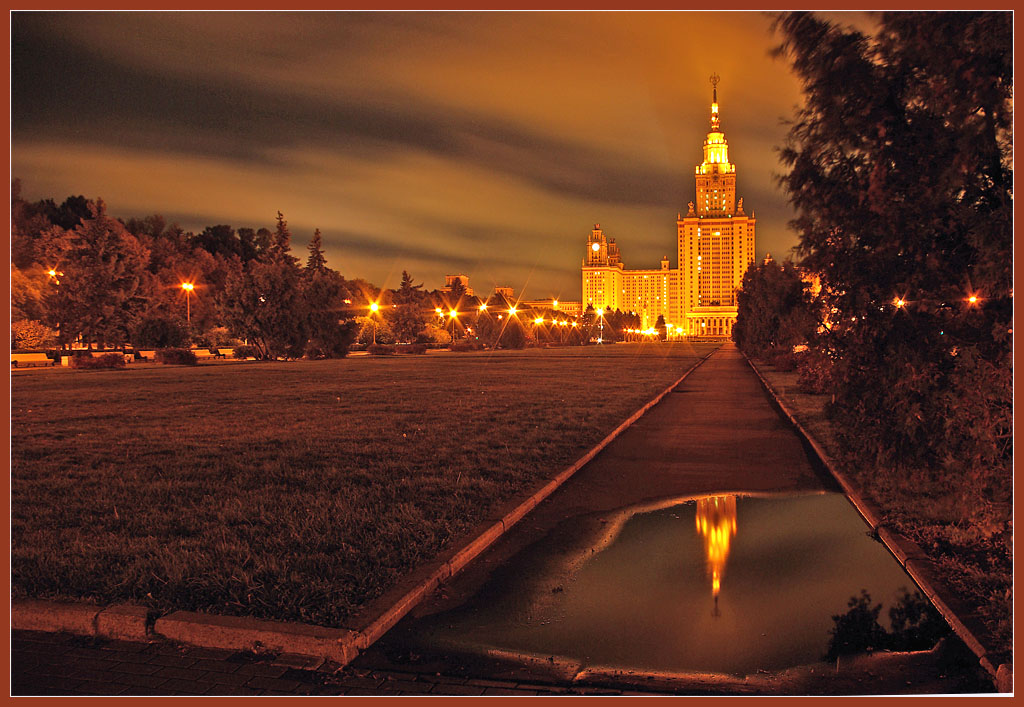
(977, 565)
(299, 490)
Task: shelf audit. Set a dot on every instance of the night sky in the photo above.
(481, 143)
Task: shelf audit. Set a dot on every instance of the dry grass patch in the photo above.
(294, 491)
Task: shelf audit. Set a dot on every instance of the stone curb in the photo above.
(246, 633)
(908, 553)
(120, 621)
(471, 550)
(130, 622)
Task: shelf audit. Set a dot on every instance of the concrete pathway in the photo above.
(64, 664)
(717, 433)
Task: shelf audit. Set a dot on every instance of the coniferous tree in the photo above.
(281, 242)
(775, 310)
(899, 168)
(324, 292)
(264, 300)
(409, 315)
(316, 259)
(100, 268)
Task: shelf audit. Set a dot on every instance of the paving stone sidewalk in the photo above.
(65, 664)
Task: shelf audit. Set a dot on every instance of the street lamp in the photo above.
(188, 287)
(54, 274)
(452, 314)
(373, 310)
(600, 316)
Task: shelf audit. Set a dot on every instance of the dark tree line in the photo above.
(81, 275)
(899, 168)
(78, 274)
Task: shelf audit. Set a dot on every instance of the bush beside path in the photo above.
(977, 565)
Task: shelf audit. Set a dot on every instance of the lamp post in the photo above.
(452, 314)
(373, 310)
(54, 275)
(188, 287)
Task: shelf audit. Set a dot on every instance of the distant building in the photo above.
(449, 280)
(505, 292)
(714, 247)
(571, 309)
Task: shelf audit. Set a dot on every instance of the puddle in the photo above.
(723, 584)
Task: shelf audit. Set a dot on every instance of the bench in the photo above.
(226, 353)
(208, 353)
(31, 359)
(148, 355)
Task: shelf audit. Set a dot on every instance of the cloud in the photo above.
(475, 141)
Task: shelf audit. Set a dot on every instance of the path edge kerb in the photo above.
(138, 623)
(905, 550)
(462, 557)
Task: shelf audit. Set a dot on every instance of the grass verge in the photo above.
(977, 563)
(294, 491)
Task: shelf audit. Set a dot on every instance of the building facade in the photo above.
(714, 247)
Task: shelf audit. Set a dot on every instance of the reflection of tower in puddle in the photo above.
(716, 524)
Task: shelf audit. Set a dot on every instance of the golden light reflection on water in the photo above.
(716, 524)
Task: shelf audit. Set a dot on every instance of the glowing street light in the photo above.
(452, 314)
(600, 315)
(973, 299)
(374, 307)
(188, 287)
(483, 307)
(899, 302)
(512, 311)
(54, 273)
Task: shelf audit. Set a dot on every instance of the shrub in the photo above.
(814, 371)
(30, 334)
(179, 357)
(858, 630)
(331, 340)
(467, 345)
(434, 335)
(219, 336)
(380, 349)
(246, 352)
(107, 360)
(370, 328)
(783, 359)
(420, 348)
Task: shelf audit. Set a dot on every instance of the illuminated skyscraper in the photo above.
(715, 245)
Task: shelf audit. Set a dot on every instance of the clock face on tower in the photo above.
(595, 247)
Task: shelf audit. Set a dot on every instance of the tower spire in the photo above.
(715, 78)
